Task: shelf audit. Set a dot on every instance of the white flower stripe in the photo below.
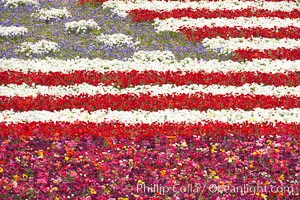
(122, 7)
(233, 44)
(25, 90)
(173, 24)
(12, 31)
(169, 115)
(186, 65)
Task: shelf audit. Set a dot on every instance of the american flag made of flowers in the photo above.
(189, 73)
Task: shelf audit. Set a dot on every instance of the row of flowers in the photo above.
(106, 168)
(141, 15)
(152, 90)
(159, 61)
(233, 44)
(280, 53)
(198, 34)
(127, 102)
(122, 8)
(172, 24)
(133, 78)
(257, 115)
(141, 130)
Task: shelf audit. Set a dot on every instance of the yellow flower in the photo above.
(256, 153)
(269, 142)
(56, 198)
(141, 182)
(1, 169)
(288, 144)
(163, 172)
(40, 153)
(263, 196)
(93, 191)
(107, 191)
(120, 198)
(281, 177)
(213, 149)
(213, 174)
(16, 177)
(25, 176)
(251, 166)
(67, 158)
(276, 150)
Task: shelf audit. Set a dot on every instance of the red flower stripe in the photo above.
(119, 130)
(81, 2)
(134, 78)
(198, 34)
(141, 15)
(280, 53)
(129, 102)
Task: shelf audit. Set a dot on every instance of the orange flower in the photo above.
(40, 153)
(16, 177)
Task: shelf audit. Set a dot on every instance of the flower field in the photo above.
(108, 99)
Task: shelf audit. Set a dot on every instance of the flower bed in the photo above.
(164, 167)
(149, 99)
